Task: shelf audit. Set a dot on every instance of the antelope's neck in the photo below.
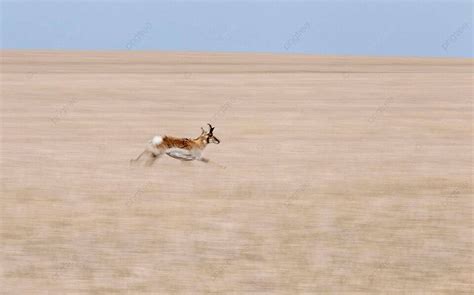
(201, 142)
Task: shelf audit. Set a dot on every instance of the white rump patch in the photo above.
(157, 140)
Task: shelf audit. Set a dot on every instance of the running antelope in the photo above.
(184, 149)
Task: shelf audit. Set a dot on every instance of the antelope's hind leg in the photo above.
(152, 159)
(152, 150)
(138, 158)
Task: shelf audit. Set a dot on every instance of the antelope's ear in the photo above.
(202, 131)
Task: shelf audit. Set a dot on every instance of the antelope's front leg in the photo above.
(202, 159)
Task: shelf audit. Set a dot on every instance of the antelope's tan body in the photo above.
(169, 142)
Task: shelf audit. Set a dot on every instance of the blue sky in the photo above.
(383, 28)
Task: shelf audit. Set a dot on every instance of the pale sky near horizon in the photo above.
(380, 28)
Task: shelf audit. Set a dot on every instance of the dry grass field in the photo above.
(334, 175)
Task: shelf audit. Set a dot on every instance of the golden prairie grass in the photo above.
(336, 174)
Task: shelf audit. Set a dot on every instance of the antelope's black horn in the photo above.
(210, 128)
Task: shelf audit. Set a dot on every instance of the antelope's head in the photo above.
(209, 135)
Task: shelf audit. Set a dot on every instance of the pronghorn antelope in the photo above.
(184, 149)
